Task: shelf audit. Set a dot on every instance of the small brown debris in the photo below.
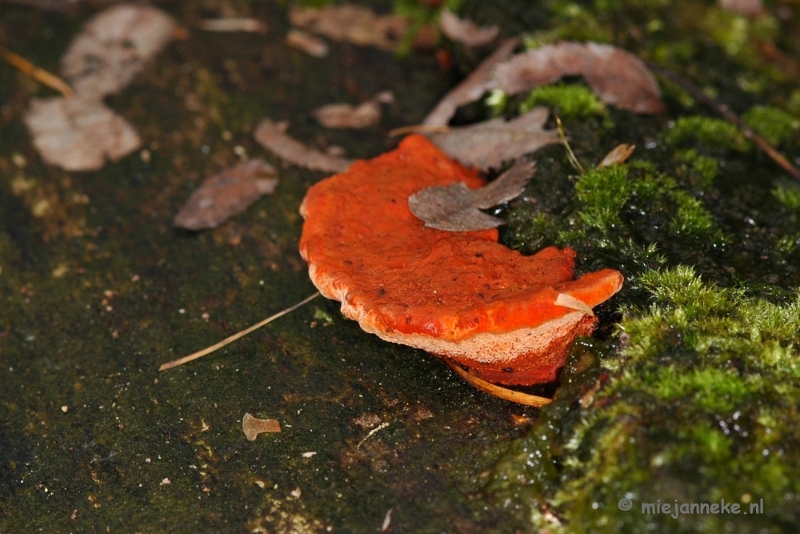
(272, 136)
(113, 47)
(79, 134)
(226, 194)
(455, 207)
(619, 154)
(486, 145)
(233, 25)
(473, 86)
(748, 8)
(253, 426)
(616, 76)
(353, 24)
(305, 42)
(347, 116)
(367, 420)
(466, 32)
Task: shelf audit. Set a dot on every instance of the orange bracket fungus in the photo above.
(509, 318)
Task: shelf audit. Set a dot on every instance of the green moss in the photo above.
(789, 197)
(702, 411)
(706, 130)
(567, 100)
(773, 124)
(701, 170)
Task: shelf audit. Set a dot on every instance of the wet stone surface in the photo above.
(690, 393)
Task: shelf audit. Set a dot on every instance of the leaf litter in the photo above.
(305, 42)
(253, 426)
(472, 88)
(273, 137)
(81, 133)
(78, 133)
(353, 24)
(616, 76)
(226, 194)
(488, 144)
(347, 116)
(465, 31)
(456, 207)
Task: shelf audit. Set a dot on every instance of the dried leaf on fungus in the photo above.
(616, 76)
(113, 47)
(79, 134)
(488, 144)
(465, 31)
(346, 116)
(455, 207)
(472, 87)
(272, 136)
(351, 23)
(226, 194)
(253, 426)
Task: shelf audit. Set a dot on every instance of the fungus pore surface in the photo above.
(459, 295)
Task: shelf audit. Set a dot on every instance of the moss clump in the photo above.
(700, 170)
(789, 197)
(773, 124)
(709, 387)
(568, 101)
(709, 131)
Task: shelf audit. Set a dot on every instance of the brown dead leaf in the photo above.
(347, 116)
(79, 134)
(353, 24)
(616, 76)
(466, 32)
(226, 194)
(305, 42)
(619, 154)
(455, 207)
(272, 136)
(473, 86)
(113, 47)
(488, 144)
(253, 426)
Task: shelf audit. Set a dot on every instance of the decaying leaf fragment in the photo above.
(466, 32)
(226, 194)
(473, 86)
(488, 144)
(455, 207)
(351, 23)
(305, 42)
(748, 8)
(253, 426)
(616, 76)
(618, 154)
(79, 134)
(346, 116)
(113, 47)
(272, 136)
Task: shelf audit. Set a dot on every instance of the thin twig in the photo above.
(419, 128)
(729, 115)
(497, 391)
(573, 160)
(234, 337)
(47, 78)
(371, 432)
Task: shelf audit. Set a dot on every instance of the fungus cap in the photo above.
(459, 295)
